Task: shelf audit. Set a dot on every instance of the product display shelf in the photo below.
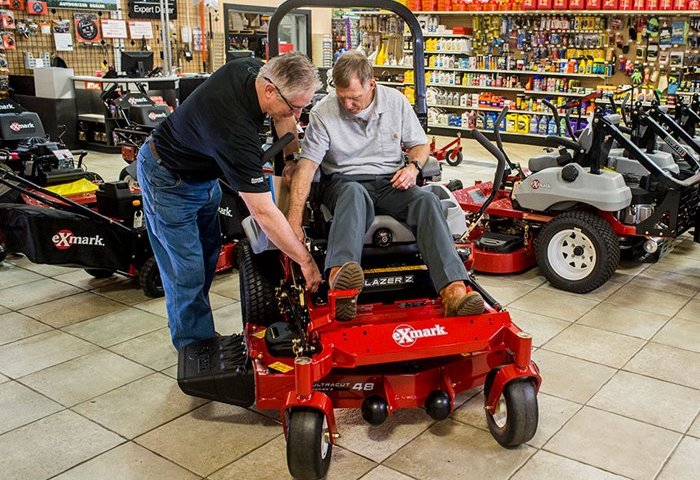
(464, 129)
(441, 35)
(665, 13)
(517, 72)
(497, 109)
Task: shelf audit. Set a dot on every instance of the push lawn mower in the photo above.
(29, 152)
(57, 230)
(398, 352)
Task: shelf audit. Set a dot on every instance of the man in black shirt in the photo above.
(214, 132)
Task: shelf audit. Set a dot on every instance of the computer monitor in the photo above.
(137, 64)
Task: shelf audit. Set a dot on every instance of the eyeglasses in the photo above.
(291, 107)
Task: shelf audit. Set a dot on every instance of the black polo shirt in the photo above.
(216, 130)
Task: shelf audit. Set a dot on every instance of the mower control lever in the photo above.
(277, 147)
(564, 142)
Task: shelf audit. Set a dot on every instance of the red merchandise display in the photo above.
(693, 5)
(625, 4)
(544, 4)
(444, 5)
(652, 4)
(560, 4)
(594, 5)
(529, 4)
(638, 4)
(680, 5)
(577, 4)
(610, 5)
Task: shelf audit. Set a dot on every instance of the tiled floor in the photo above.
(87, 388)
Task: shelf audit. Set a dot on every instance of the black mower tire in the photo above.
(123, 174)
(259, 276)
(456, 161)
(99, 272)
(521, 414)
(149, 279)
(590, 233)
(308, 447)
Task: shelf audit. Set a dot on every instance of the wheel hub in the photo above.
(571, 254)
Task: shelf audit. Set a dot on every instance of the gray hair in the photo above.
(293, 73)
(352, 64)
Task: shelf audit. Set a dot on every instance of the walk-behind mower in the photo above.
(398, 352)
(571, 217)
(28, 151)
(107, 237)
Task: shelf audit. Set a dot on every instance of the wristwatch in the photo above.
(416, 164)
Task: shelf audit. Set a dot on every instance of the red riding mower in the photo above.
(398, 352)
(450, 153)
(571, 217)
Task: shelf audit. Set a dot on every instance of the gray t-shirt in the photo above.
(345, 143)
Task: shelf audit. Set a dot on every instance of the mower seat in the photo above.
(384, 231)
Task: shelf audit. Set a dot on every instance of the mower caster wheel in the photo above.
(125, 177)
(453, 162)
(149, 279)
(515, 420)
(308, 444)
(375, 410)
(99, 272)
(438, 405)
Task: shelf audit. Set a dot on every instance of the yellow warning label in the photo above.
(406, 268)
(281, 367)
(260, 334)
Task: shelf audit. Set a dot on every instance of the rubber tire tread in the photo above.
(523, 414)
(99, 272)
(456, 161)
(304, 461)
(149, 279)
(604, 239)
(259, 276)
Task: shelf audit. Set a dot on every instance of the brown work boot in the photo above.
(459, 302)
(348, 276)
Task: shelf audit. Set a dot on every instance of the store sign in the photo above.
(150, 9)
(107, 5)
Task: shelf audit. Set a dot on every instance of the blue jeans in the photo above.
(183, 227)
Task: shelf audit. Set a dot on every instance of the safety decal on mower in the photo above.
(281, 367)
(406, 335)
(64, 239)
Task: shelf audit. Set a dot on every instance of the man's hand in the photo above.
(288, 171)
(311, 275)
(405, 178)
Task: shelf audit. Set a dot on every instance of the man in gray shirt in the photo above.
(356, 136)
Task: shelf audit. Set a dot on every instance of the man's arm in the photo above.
(275, 226)
(406, 177)
(301, 184)
(284, 125)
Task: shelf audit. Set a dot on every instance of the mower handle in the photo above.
(277, 147)
(497, 130)
(500, 170)
(563, 142)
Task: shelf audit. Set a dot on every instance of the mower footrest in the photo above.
(499, 242)
(217, 369)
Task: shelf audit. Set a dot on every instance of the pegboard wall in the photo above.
(90, 58)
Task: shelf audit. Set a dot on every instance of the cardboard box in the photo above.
(54, 82)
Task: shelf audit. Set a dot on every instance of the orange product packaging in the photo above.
(594, 5)
(544, 4)
(577, 4)
(610, 5)
(529, 4)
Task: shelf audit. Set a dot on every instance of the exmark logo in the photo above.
(406, 335)
(64, 239)
(16, 126)
(6, 106)
(154, 115)
(675, 146)
(226, 212)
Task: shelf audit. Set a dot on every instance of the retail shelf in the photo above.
(435, 125)
(402, 67)
(441, 35)
(517, 72)
(446, 52)
(555, 94)
(665, 13)
(394, 84)
(497, 109)
(690, 94)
